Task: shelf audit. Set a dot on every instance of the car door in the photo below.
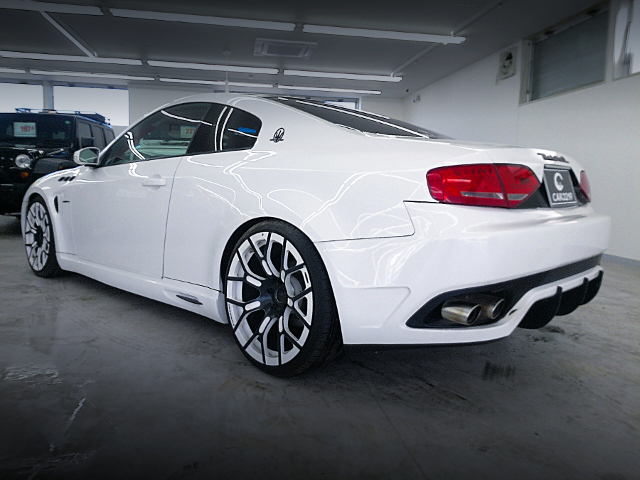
(120, 208)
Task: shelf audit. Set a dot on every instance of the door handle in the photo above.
(154, 181)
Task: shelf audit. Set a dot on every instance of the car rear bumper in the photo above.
(382, 285)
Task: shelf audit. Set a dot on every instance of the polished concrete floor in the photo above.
(99, 383)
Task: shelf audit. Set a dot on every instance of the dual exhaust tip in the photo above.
(469, 310)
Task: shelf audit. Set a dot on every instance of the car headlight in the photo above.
(23, 161)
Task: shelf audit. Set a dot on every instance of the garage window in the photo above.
(626, 48)
(570, 56)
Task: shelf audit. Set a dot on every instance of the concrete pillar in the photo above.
(47, 92)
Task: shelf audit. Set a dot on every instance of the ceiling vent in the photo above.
(283, 48)
(507, 66)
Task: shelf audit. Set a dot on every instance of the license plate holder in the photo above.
(559, 186)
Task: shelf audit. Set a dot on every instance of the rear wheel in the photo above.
(39, 241)
(279, 300)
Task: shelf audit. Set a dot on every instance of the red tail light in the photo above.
(584, 185)
(487, 185)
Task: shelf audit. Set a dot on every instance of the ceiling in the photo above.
(485, 26)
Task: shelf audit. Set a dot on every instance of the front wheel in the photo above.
(38, 238)
(279, 300)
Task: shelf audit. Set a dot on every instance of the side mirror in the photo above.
(87, 156)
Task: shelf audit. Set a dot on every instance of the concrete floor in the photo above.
(99, 383)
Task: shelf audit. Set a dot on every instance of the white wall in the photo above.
(598, 125)
(389, 107)
(469, 104)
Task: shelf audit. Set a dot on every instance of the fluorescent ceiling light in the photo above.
(49, 7)
(68, 58)
(216, 82)
(11, 70)
(217, 68)
(326, 89)
(203, 19)
(385, 34)
(345, 76)
(92, 75)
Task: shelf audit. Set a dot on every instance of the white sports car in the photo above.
(307, 226)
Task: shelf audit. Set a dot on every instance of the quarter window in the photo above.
(226, 128)
(167, 133)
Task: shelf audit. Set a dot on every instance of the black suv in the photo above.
(34, 144)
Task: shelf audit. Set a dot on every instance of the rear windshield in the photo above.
(358, 120)
(36, 130)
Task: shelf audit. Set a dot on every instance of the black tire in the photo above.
(279, 300)
(39, 240)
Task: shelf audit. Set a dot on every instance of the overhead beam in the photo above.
(70, 34)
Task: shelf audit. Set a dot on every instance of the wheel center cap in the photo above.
(281, 294)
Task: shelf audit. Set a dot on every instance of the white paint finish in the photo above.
(119, 214)
(453, 248)
(389, 107)
(597, 125)
(362, 198)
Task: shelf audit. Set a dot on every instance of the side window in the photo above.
(226, 128)
(166, 133)
(85, 139)
(98, 136)
(108, 135)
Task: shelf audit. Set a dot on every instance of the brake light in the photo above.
(584, 185)
(488, 185)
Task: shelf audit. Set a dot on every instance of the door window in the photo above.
(167, 133)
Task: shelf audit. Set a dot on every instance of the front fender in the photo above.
(44, 166)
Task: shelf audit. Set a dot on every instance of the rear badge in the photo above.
(559, 188)
(278, 136)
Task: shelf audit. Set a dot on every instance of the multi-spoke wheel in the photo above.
(39, 241)
(279, 300)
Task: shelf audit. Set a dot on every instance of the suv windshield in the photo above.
(356, 119)
(36, 130)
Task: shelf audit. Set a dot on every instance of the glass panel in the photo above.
(572, 58)
(226, 128)
(626, 48)
(362, 121)
(111, 102)
(36, 130)
(166, 133)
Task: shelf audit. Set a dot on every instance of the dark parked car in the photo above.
(34, 144)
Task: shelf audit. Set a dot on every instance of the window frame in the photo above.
(104, 155)
(526, 91)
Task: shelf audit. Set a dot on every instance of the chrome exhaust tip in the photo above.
(461, 312)
(492, 307)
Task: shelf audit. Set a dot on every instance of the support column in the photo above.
(47, 92)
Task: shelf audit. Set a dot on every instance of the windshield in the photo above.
(359, 120)
(36, 130)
